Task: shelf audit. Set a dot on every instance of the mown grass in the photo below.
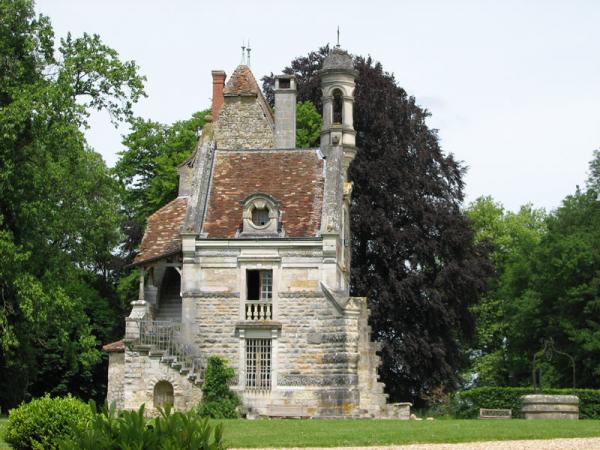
(360, 433)
(3, 445)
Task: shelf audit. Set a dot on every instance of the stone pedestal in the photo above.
(540, 406)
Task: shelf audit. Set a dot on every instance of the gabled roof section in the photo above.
(241, 82)
(293, 177)
(162, 235)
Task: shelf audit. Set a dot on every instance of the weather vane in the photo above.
(243, 61)
(338, 36)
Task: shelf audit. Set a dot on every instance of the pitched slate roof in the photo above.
(293, 177)
(162, 231)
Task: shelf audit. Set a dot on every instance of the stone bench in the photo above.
(488, 413)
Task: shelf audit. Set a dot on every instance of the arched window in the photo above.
(338, 104)
(163, 394)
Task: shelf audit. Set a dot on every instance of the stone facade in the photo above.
(273, 301)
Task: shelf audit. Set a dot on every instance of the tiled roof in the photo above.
(114, 347)
(293, 177)
(242, 82)
(162, 231)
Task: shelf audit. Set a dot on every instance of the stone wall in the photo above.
(243, 124)
(115, 388)
(142, 373)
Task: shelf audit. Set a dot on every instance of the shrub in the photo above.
(42, 422)
(465, 404)
(132, 430)
(218, 401)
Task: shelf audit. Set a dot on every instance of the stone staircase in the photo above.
(373, 399)
(161, 339)
(169, 308)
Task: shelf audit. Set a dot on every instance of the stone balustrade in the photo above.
(259, 310)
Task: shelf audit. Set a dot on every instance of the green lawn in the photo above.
(3, 445)
(333, 433)
(360, 433)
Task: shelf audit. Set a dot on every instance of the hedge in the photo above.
(465, 404)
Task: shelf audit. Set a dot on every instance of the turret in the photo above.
(337, 84)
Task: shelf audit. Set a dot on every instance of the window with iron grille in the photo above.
(258, 364)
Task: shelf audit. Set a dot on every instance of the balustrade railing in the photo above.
(259, 310)
(166, 336)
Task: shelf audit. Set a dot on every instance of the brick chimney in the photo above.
(218, 77)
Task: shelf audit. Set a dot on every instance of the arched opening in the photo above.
(169, 301)
(163, 394)
(338, 105)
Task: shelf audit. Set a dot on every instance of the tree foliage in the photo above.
(58, 206)
(308, 125)
(413, 253)
(512, 238)
(547, 287)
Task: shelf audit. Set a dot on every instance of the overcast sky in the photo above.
(513, 86)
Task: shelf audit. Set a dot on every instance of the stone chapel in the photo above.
(251, 262)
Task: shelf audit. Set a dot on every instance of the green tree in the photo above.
(308, 125)
(547, 286)
(593, 181)
(562, 299)
(58, 206)
(512, 238)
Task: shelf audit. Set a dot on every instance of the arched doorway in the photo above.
(169, 300)
(163, 394)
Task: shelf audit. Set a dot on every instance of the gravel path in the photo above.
(546, 444)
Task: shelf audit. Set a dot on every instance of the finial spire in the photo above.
(338, 36)
(243, 61)
(248, 50)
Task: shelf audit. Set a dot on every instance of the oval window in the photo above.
(260, 217)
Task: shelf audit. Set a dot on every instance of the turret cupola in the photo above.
(337, 84)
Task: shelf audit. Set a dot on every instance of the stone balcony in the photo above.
(258, 310)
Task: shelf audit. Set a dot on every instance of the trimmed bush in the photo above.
(42, 422)
(465, 404)
(132, 430)
(218, 401)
